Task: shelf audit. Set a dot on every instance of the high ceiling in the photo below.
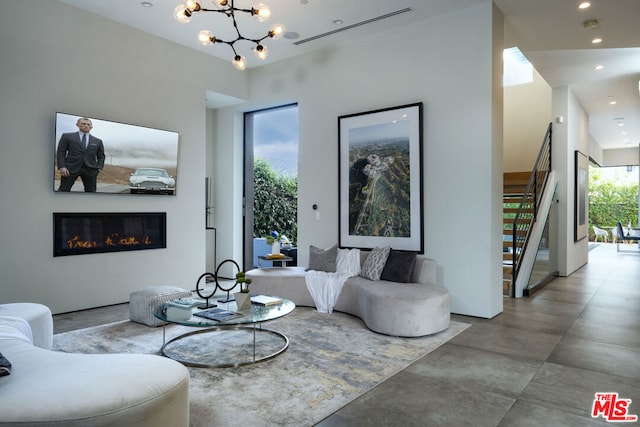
(551, 34)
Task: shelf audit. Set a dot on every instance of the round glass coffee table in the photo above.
(236, 340)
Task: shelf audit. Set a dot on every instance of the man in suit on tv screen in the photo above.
(81, 155)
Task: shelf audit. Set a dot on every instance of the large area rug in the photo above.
(332, 359)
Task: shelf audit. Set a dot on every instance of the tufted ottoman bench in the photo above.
(144, 302)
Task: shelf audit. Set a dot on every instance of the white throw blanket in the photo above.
(325, 288)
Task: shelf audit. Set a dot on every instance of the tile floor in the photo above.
(539, 363)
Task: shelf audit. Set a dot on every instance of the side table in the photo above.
(284, 260)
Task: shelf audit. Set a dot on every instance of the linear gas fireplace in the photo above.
(90, 233)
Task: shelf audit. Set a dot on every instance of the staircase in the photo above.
(523, 196)
(514, 187)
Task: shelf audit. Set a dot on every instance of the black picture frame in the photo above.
(581, 197)
(380, 157)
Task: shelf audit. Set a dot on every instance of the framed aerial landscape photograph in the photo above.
(380, 179)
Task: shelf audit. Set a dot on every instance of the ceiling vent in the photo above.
(357, 24)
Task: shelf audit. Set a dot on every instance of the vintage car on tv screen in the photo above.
(151, 180)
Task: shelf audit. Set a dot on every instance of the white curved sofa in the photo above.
(54, 388)
(398, 309)
(39, 318)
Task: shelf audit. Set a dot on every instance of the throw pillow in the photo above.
(399, 267)
(5, 366)
(348, 262)
(373, 266)
(323, 259)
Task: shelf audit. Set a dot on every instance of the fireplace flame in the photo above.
(75, 242)
(127, 241)
(113, 240)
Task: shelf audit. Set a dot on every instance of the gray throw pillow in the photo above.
(399, 267)
(375, 262)
(5, 366)
(323, 259)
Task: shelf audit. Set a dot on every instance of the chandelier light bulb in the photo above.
(239, 62)
(276, 31)
(191, 5)
(182, 14)
(206, 37)
(222, 3)
(261, 52)
(261, 12)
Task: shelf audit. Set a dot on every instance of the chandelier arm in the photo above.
(256, 41)
(235, 25)
(232, 48)
(224, 11)
(237, 9)
(233, 7)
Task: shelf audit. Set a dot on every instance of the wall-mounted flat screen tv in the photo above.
(102, 156)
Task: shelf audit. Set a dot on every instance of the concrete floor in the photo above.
(539, 363)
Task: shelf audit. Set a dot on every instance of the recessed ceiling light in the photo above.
(613, 102)
(599, 67)
(584, 5)
(146, 4)
(591, 23)
(304, 1)
(337, 21)
(596, 40)
(291, 35)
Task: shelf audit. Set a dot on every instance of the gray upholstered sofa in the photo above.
(399, 309)
(53, 388)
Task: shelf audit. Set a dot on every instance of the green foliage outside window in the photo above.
(610, 202)
(275, 203)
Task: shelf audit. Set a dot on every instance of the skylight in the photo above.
(517, 68)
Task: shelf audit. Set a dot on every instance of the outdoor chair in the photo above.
(624, 236)
(599, 232)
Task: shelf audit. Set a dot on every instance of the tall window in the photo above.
(271, 177)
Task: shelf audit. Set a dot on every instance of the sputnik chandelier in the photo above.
(183, 13)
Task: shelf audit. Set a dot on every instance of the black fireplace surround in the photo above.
(90, 233)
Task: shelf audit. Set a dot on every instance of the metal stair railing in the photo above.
(528, 211)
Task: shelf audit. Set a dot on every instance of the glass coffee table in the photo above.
(235, 341)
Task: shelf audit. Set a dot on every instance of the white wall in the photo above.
(58, 58)
(568, 137)
(452, 65)
(527, 113)
(620, 157)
